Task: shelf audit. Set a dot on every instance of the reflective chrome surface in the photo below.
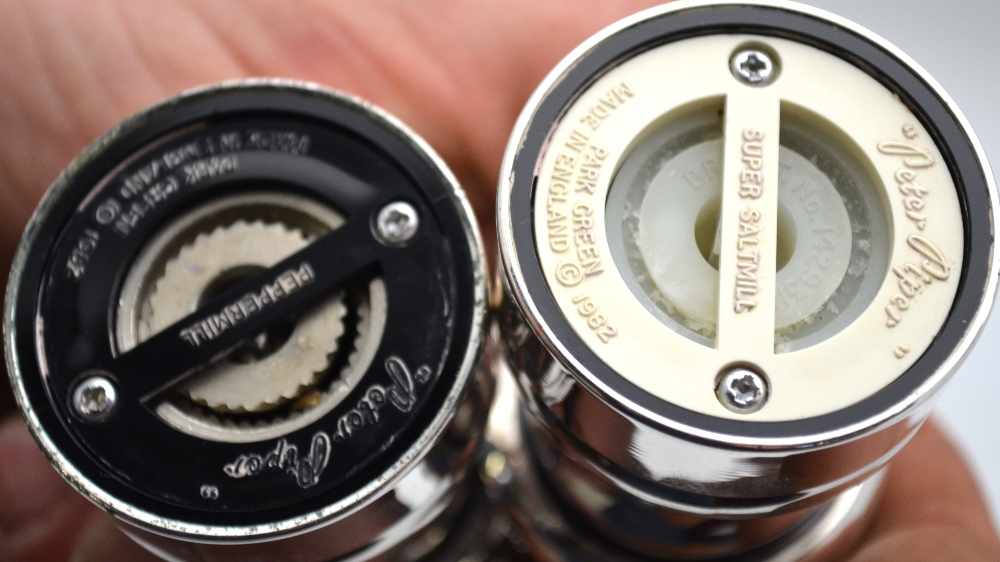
(529, 486)
(590, 474)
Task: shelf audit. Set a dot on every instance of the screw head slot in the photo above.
(742, 390)
(753, 67)
(397, 223)
(95, 398)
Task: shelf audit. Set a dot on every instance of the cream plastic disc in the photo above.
(887, 302)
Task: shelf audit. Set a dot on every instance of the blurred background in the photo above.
(959, 45)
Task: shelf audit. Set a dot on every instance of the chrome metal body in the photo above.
(404, 513)
(584, 456)
(546, 530)
(576, 453)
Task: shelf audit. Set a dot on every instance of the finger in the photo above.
(931, 507)
(44, 519)
(40, 516)
(458, 72)
(70, 71)
(104, 541)
(926, 544)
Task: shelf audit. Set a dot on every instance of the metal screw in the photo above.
(94, 398)
(397, 223)
(753, 67)
(742, 390)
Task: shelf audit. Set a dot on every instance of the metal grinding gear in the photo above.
(246, 385)
(760, 241)
(247, 322)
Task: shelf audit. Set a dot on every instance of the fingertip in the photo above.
(104, 541)
(29, 486)
(929, 485)
(926, 544)
(43, 518)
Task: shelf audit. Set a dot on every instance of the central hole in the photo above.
(263, 344)
(706, 230)
(746, 386)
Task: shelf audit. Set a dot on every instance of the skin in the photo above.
(456, 72)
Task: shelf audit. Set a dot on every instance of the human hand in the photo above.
(456, 72)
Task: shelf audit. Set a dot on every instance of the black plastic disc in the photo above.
(186, 153)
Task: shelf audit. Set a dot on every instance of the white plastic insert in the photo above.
(677, 233)
(818, 239)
